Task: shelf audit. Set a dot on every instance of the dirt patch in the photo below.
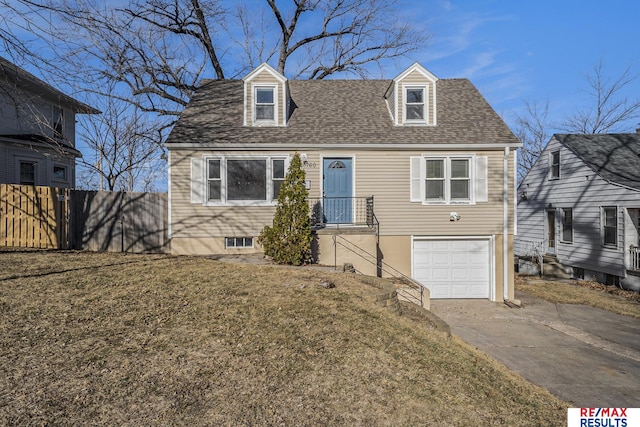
(595, 294)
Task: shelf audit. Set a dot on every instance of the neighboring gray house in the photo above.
(580, 202)
(37, 130)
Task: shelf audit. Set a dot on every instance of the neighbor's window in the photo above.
(567, 225)
(239, 242)
(27, 173)
(59, 173)
(414, 104)
(244, 179)
(57, 122)
(554, 165)
(265, 104)
(448, 180)
(610, 226)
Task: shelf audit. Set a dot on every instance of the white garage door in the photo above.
(453, 268)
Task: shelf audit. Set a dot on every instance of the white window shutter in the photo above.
(482, 184)
(197, 180)
(417, 181)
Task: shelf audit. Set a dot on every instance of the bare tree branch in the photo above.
(532, 129)
(124, 147)
(349, 35)
(611, 110)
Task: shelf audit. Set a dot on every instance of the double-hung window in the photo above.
(414, 106)
(567, 225)
(238, 180)
(554, 165)
(278, 170)
(265, 105)
(57, 122)
(449, 179)
(27, 173)
(610, 226)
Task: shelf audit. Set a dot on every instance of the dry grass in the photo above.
(582, 292)
(111, 339)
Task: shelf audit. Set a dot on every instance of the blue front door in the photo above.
(338, 190)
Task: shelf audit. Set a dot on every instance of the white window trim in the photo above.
(254, 120)
(270, 200)
(226, 246)
(562, 229)
(425, 98)
(602, 225)
(447, 179)
(551, 177)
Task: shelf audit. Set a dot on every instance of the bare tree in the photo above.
(153, 54)
(347, 36)
(611, 110)
(123, 150)
(161, 49)
(532, 129)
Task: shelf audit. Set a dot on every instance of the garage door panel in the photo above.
(440, 274)
(454, 268)
(459, 274)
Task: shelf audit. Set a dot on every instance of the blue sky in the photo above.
(516, 50)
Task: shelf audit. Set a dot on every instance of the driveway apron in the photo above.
(583, 355)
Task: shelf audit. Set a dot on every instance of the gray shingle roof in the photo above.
(340, 112)
(615, 157)
(24, 79)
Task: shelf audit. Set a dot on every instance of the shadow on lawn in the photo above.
(88, 267)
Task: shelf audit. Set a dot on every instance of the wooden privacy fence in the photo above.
(34, 217)
(119, 221)
(52, 218)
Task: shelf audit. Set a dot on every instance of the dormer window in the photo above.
(266, 98)
(414, 105)
(265, 104)
(411, 97)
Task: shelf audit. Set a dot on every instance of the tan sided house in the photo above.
(410, 176)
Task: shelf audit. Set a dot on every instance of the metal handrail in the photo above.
(355, 211)
(634, 251)
(386, 268)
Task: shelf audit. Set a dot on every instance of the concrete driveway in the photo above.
(583, 355)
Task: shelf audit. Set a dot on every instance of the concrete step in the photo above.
(552, 269)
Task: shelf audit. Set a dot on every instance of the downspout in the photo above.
(505, 224)
(168, 197)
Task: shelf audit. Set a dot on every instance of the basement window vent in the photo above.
(239, 242)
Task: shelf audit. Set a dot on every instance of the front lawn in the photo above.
(112, 339)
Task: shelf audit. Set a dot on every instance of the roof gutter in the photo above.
(294, 147)
(60, 148)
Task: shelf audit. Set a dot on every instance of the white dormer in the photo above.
(265, 97)
(411, 97)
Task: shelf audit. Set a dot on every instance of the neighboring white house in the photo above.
(580, 202)
(37, 130)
